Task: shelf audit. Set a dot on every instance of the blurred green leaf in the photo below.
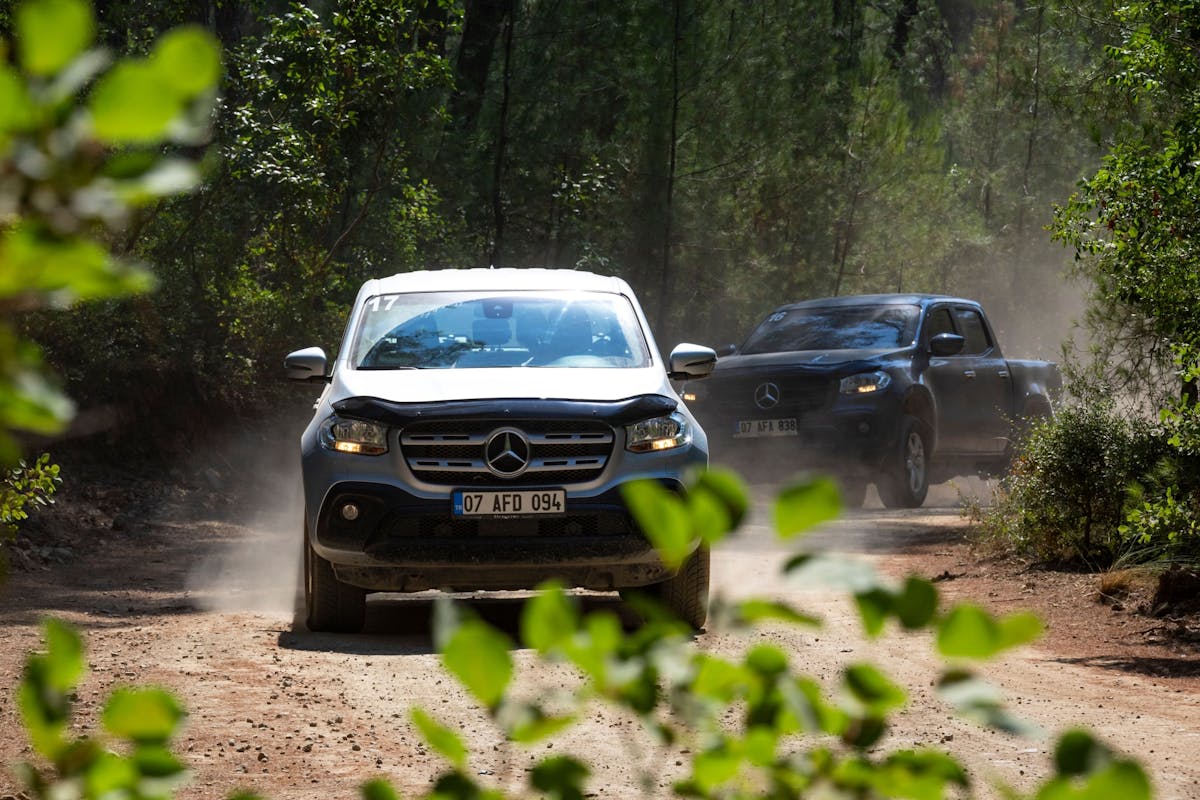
(51, 33)
(715, 766)
(156, 761)
(873, 690)
(663, 517)
(46, 684)
(132, 105)
(1122, 779)
(1078, 753)
(759, 745)
(919, 774)
(767, 660)
(142, 715)
(717, 503)
(83, 269)
(188, 60)
(916, 604)
(110, 773)
(1018, 629)
(718, 679)
(443, 740)
(478, 655)
(560, 777)
(970, 632)
(548, 618)
(752, 611)
(531, 724)
(832, 572)
(803, 506)
(167, 177)
(873, 609)
(16, 108)
(378, 789)
(64, 655)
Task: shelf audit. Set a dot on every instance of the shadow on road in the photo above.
(400, 625)
(1153, 667)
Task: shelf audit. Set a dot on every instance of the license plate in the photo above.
(756, 428)
(517, 503)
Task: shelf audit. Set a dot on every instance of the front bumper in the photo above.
(405, 543)
(848, 437)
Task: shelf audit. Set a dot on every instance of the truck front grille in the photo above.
(798, 395)
(544, 453)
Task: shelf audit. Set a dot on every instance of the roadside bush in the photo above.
(1065, 495)
(1163, 518)
(22, 488)
(753, 726)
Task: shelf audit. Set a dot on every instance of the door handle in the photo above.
(969, 373)
(1003, 374)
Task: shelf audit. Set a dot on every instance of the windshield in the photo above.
(463, 330)
(835, 328)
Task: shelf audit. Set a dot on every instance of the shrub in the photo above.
(1064, 497)
(24, 487)
(1162, 521)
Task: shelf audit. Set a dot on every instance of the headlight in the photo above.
(354, 436)
(865, 383)
(660, 433)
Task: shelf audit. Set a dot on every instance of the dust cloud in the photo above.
(253, 561)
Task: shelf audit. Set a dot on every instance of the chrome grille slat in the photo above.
(563, 452)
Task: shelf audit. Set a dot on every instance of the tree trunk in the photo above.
(498, 162)
(483, 20)
(666, 276)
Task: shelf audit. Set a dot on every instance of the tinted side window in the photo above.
(971, 324)
(939, 321)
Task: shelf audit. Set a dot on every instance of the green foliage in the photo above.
(1163, 509)
(1133, 222)
(74, 171)
(1064, 496)
(753, 724)
(142, 720)
(22, 488)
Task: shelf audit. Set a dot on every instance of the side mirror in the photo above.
(726, 350)
(946, 344)
(308, 365)
(691, 361)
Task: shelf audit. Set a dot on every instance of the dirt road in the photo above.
(199, 601)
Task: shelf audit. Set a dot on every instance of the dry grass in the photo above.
(1130, 586)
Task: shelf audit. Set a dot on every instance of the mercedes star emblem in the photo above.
(506, 452)
(767, 395)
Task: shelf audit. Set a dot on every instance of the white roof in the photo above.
(502, 279)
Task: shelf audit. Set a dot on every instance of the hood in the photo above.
(534, 383)
(817, 360)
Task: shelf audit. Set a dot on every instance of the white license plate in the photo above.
(516, 503)
(756, 428)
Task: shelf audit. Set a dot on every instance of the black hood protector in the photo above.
(617, 412)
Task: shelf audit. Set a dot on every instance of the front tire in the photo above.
(686, 593)
(905, 479)
(330, 605)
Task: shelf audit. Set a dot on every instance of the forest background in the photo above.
(722, 156)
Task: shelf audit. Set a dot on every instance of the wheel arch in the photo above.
(919, 403)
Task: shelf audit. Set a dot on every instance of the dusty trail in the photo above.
(200, 604)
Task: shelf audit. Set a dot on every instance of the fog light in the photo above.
(350, 512)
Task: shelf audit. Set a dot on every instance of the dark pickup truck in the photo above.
(898, 390)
